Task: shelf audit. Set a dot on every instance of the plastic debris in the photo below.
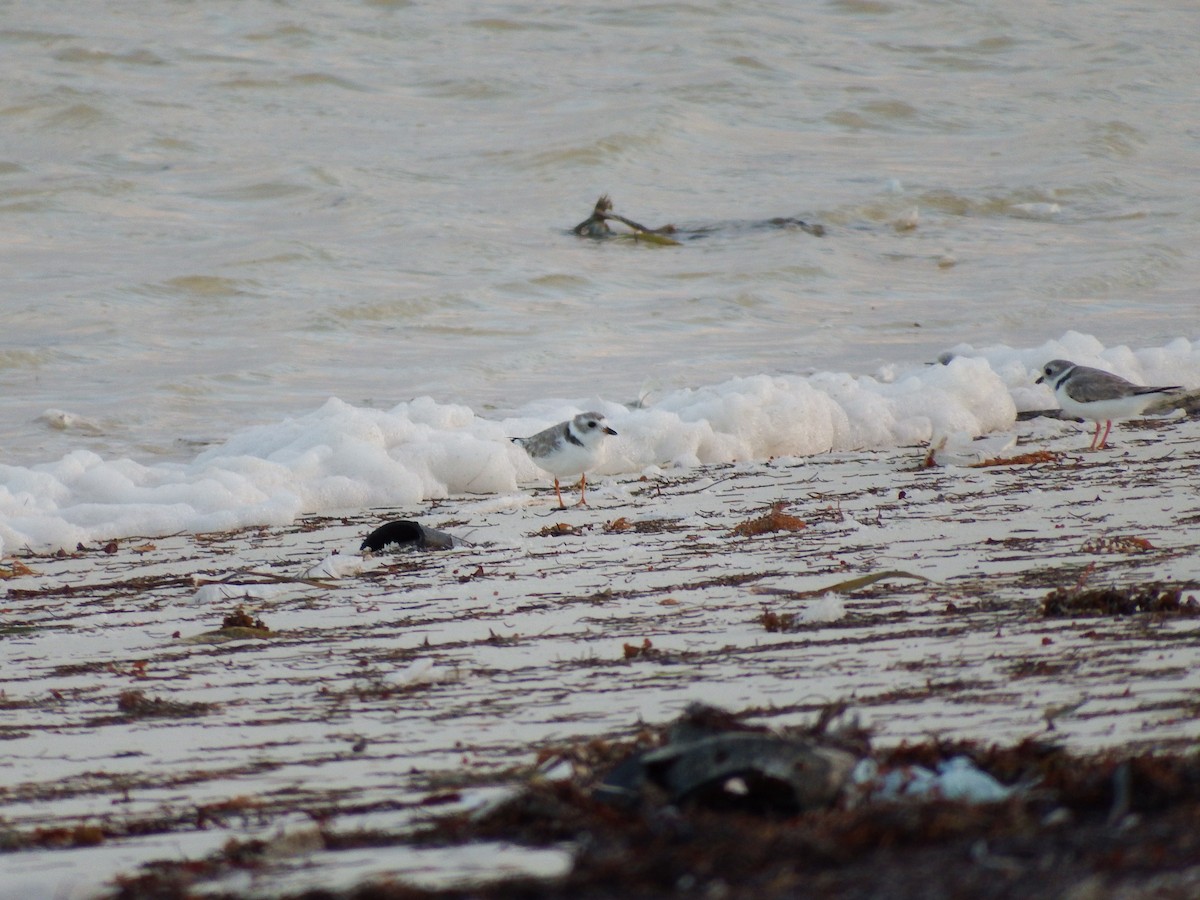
(957, 778)
(749, 771)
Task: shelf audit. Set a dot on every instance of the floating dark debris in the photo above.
(1114, 601)
(597, 226)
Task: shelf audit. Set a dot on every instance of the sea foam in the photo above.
(340, 457)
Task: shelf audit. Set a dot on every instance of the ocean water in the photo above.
(268, 258)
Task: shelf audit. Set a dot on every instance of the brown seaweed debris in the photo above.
(776, 622)
(237, 626)
(1033, 458)
(1119, 601)
(14, 569)
(1092, 826)
(136, 704)
(642, 526)
(61, 838)
(561, 529)
(775, 520)
(645, 649)
(1071, 832)
(242, 619)
(1117, 543)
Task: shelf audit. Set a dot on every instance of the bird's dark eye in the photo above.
(591, 424)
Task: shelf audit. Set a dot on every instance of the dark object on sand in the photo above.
(408, 535)
(1155, 598)
(750, 771)
(596, 226)
(1026, 415)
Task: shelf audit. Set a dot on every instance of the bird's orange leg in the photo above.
(582, 490)
(1107, 429)
(558, 494)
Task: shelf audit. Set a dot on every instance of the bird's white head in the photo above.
(1053, 369)
(589, 428)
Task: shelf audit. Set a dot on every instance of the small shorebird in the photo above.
(567, 449)
(1098, 395)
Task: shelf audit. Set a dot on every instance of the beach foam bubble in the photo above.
(341, 457)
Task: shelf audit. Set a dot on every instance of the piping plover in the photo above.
(567, 449)
(1097, 395)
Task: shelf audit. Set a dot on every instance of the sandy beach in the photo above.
(374, 692)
